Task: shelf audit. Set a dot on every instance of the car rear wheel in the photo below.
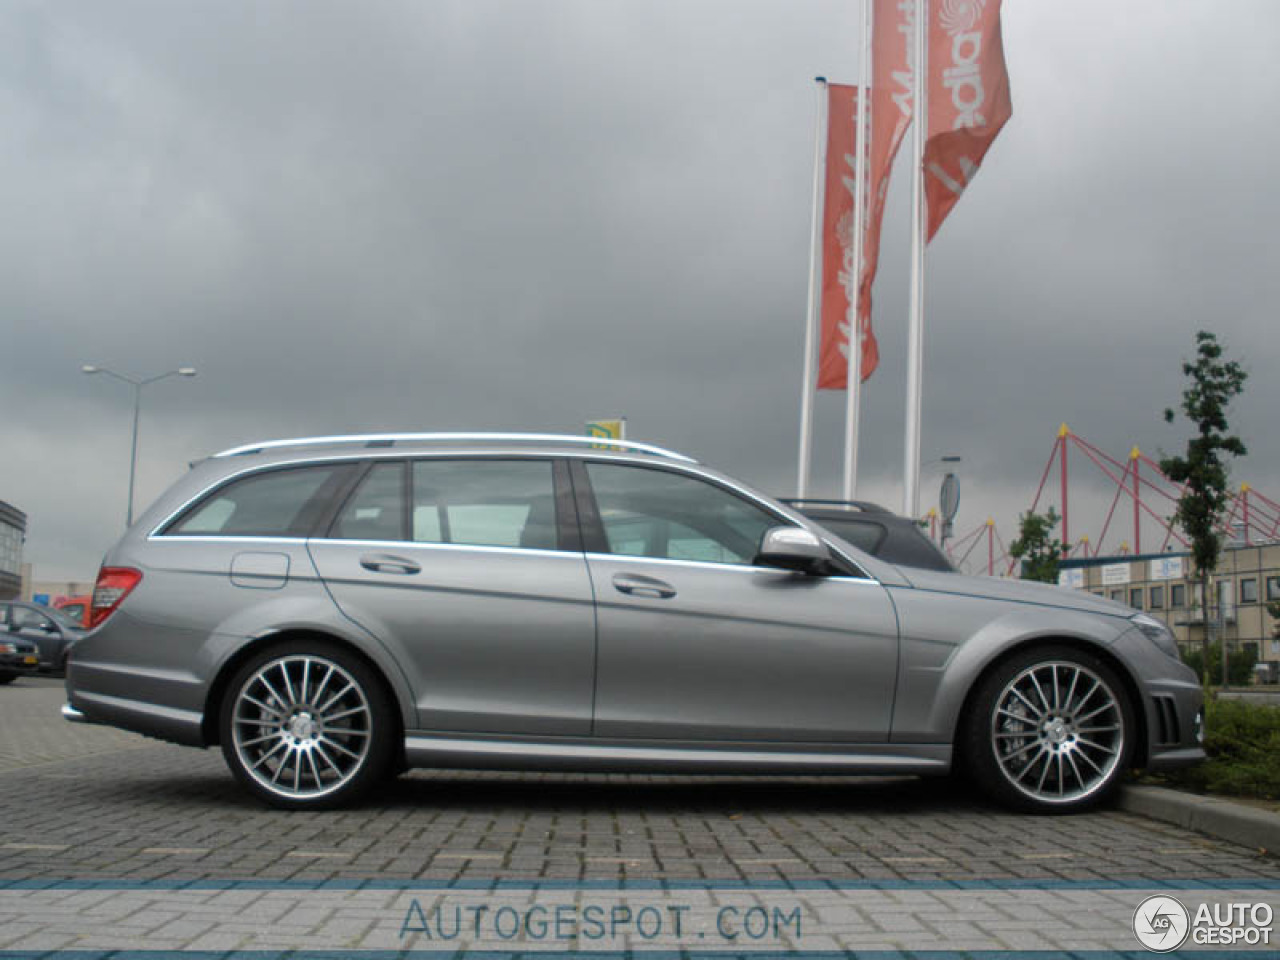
(1051, 730)
(307, 725)
(7, 676)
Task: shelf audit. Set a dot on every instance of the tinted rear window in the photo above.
(269, 504)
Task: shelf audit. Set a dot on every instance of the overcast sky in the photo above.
(525, 214)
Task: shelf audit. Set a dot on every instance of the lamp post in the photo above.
(137, 385)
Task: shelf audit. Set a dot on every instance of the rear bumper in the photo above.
(72, 715)
(134, 676)
(148, 719)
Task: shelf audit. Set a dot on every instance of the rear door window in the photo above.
(489, 503)
(376, 510)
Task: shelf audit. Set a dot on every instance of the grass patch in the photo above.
(1243, 745)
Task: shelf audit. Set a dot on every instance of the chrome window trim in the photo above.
(569, 439)
(322, 460)
(709, 565)
(223, 538)
(691, 469)
(429, 545)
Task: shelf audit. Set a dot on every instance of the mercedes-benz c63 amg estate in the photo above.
(329, 611)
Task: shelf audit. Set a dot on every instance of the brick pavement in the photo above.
(85, 804)
(28, 736)
(802, 920)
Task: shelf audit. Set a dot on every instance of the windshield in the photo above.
(63, 617)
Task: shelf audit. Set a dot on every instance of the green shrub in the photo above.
(1239, 669)
(1243, 744)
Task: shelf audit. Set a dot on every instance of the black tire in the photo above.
(1050, 729)
(7, 676)
(307, 725)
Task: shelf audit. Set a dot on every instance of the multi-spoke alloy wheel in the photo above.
(1051, 730)
(305, 728)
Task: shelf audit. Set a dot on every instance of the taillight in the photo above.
(114, 584)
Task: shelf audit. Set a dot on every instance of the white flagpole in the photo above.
(915, 329)
(853, 394)
(815, 299)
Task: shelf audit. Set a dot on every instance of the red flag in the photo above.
(890, 108)
(837, 242)
(968, 98)
(890, 117)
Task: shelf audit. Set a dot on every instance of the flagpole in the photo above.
(815, 285)
(861, 145)
(915, 327)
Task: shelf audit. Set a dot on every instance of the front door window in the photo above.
(669, 516)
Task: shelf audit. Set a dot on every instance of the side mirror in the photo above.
(793, 548)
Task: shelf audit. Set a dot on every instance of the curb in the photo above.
(1233, 822)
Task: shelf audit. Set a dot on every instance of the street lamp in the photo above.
(137, 385)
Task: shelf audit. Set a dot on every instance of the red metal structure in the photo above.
(1139, 480)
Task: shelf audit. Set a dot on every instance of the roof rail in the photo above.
(863, 505)
(388, 439)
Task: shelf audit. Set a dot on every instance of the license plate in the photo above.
(30, 660)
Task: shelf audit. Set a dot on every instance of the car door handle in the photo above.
(388, 563)
(640, 586)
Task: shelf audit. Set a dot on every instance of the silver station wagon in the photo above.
(330, 611)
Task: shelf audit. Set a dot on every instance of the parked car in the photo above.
(329, 611)
(51, 631)
(77, 608)
(874, 529)
(17, 657)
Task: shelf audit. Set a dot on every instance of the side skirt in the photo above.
(426, 749)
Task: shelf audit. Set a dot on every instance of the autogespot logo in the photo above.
(1161, 923)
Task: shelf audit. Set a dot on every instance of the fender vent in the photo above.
(1167, 732)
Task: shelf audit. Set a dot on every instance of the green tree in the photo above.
(1036, 546)
(1241, 665)
(1202, 469)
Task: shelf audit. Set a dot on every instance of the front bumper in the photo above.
(20, 663)
(1175, 725)
(1173, 759)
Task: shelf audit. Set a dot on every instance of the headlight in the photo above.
(1158, 634)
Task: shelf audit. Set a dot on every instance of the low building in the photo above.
(13, 531)
(1162, 585)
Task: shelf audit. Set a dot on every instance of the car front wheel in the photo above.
(307, 726)
(1051, 730)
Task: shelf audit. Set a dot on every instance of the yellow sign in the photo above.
(607, 430)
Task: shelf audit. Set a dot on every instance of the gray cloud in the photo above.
(520, 215)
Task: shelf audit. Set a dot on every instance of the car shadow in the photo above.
(506, 793)
(667, 794)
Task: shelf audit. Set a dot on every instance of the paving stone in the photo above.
(88, 803)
